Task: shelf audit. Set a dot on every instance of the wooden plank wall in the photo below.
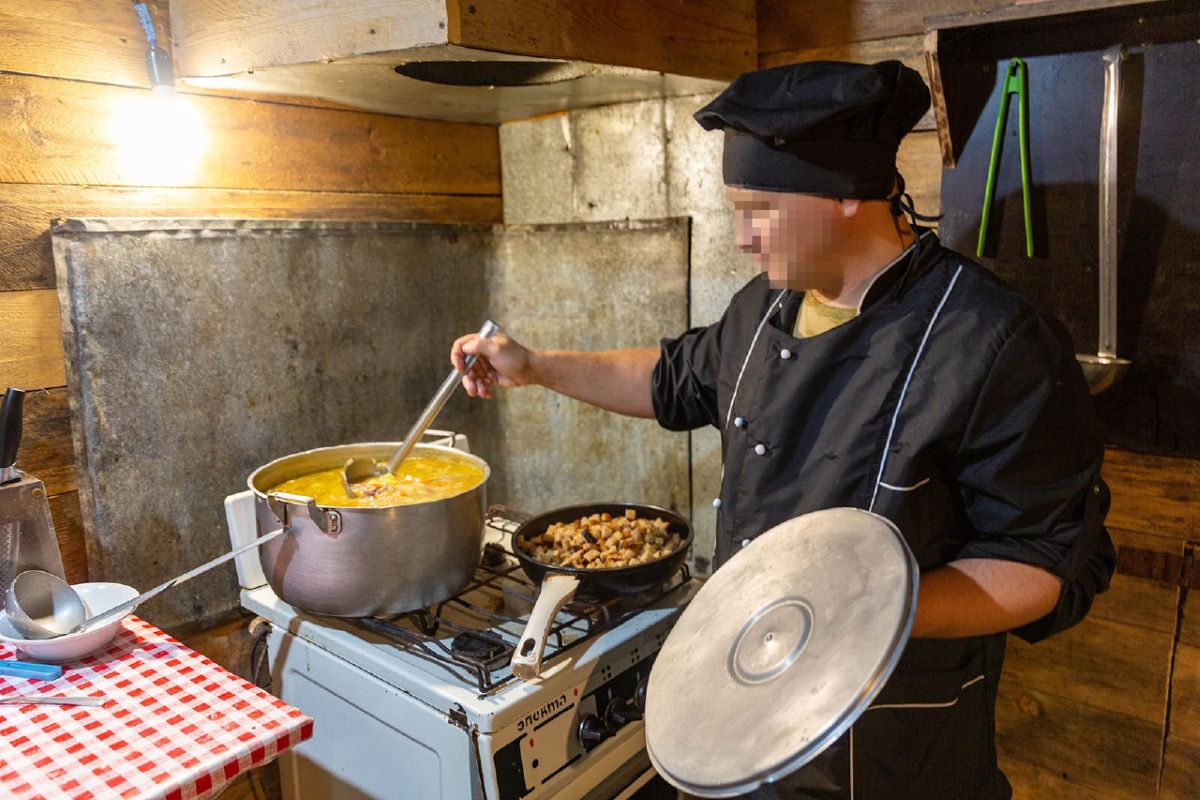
(1111, 708)
(64, 66)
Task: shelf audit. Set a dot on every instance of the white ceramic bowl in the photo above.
(97, 598)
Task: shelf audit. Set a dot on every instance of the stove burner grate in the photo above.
(480, 654)
(484, 647)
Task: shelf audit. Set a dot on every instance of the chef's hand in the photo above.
(503, 361)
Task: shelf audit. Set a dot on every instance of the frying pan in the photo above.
(559, 584)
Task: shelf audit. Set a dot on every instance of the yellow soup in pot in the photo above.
(420, 479)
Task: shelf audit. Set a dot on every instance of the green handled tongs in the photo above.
(1015, 82)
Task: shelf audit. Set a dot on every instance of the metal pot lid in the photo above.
(780, 652)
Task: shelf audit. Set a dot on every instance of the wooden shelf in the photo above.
(962, 50)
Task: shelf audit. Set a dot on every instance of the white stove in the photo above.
(424, 705)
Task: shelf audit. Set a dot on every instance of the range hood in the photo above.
(485, 61)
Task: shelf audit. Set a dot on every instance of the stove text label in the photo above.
(545, 712)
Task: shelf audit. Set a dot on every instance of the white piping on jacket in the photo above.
(737, 384)
(851, 762)
(948, 704)
(882, 272)
(907, 380)
(778, 300)
(915, 486)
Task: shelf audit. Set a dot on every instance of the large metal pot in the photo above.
(357, 562)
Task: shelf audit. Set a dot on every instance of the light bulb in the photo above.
(159, 138)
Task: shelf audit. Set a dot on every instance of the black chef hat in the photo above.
(822, 127)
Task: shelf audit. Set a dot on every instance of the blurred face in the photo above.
(793, 236)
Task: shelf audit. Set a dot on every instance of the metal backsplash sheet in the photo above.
(199, 350)
(587, 286)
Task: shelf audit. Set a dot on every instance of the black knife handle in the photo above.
(10, 426)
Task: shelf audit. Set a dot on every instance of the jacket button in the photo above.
(745, 542)
(761, 449)
(716, 502)
(785, 354)
(739, 422)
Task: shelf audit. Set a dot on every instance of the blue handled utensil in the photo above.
(26, 669)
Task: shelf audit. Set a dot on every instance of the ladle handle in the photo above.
(434, 408)
(120, 611)
(31, 699)
(1108, 201)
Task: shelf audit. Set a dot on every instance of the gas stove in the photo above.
(424, 705)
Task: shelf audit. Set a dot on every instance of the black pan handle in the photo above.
(10, 426)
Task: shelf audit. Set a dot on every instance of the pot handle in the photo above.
(557, 591)
(329, 521)
(502, 512)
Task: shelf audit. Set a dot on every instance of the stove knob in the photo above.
(592, 731)
(639, 695)
(621, 712)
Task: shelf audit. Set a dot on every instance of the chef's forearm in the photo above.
(978, 596)
(617, 380)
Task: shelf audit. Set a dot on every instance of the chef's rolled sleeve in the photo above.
(683, 388)
(1029, 470)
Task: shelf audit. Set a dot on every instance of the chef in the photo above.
(869, 366)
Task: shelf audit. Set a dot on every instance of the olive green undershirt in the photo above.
(816, 317)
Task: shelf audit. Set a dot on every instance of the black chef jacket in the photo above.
(952, 406)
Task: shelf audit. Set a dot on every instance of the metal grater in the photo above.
(10, 540)
(27, 539)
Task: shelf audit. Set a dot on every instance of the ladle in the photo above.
(41, 606)
(44, 606)
(357, 470)
(1104, 368)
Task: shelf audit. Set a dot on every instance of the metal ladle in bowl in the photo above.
(1104, 368)
(357, 470)
(44, 606)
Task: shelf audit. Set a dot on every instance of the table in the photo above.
(175, 725)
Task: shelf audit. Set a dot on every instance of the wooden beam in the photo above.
(937, 92)
(700, 38)
(32, 355)
(249, 145)
(1185, 693)
(1121, 668)
(46, 450)
(27, 209)
(103, 43)
(962, 47)
(1189, 626)
(1093, 748)
(68, 529)
(224, 37)
(1135, 601)
(1181, 778)
(920, 161)
(1153, 494)
(1033, 783)
(79, 39)
(1020, 11)
(788, 25)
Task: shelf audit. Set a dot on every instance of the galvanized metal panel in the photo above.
(639, 160)
(198, 350)
(587, 287)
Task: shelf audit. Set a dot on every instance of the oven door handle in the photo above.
(637, 783)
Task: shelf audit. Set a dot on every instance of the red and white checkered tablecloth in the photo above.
(175, 725)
